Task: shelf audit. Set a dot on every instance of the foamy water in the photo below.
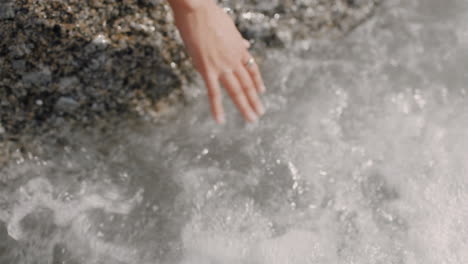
(361, 158)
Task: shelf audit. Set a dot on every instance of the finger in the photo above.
(254, 72)
(214, 95)
(237, 95)
(248, 87)
(247, 43)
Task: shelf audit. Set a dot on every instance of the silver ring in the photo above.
(250, 62)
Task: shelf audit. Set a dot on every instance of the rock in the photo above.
(66, 105)
(98, 60)
(112, 55)
(7, 11)
(2, 130)
(285, 36)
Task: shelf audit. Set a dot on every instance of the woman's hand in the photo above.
(220, 54)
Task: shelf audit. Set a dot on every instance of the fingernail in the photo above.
(262, 88)
(261, 110)
(252, 117)
(221, 120)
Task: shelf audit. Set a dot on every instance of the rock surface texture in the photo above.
(277, 23)
(84, 60)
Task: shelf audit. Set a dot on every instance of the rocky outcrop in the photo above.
(81, 62)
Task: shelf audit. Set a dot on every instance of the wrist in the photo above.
(181, 7)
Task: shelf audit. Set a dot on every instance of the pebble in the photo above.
(68, 83)
(38, 78)
(66, 105)
(100, 39)
(100, 42)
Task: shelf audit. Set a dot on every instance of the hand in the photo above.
(220, 54)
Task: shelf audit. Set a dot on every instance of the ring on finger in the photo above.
(250, 62)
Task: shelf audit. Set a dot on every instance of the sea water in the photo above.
(360, 159)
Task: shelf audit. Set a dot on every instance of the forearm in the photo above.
(187, 6)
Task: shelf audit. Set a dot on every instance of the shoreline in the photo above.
(72, 64)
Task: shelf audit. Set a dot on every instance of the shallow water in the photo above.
(360, 159)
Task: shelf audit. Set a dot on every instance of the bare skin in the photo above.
(221, 56)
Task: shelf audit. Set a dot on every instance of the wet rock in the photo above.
(285, 36)
(95, 52)
(66, 105)
(266, 21)
(94, 60)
